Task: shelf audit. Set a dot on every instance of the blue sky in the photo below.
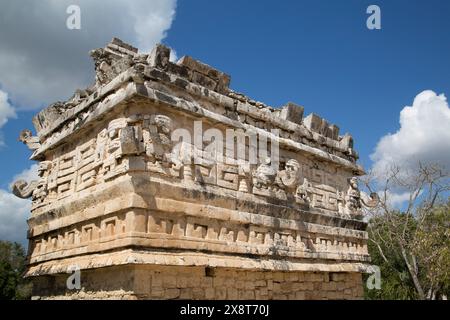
(321, 55)
(318, 54)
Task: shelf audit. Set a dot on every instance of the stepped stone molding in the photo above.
(125, 184)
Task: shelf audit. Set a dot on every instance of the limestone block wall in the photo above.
(132, 190)
(199, 283)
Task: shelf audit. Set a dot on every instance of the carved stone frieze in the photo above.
(142, 161)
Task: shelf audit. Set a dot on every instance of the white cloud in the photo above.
(28, 174)
(6, 112)
(41, 61)
(152, 19)
(424, 135)
(395, 199)
(6, 109)
(14, 211)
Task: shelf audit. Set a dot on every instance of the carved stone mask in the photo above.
(44, 166)
(353, 183)
(24, 135)
(292, 166)
(164, 124)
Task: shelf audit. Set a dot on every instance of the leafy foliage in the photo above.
(12, 266)
(431, 246)
(426, 239)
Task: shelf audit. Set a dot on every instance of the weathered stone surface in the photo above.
(31, 141)
(181, 282)
(159, 57)
(205, 75)
(128, 185)
(292, 112)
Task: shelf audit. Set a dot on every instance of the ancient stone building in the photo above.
(148, 188)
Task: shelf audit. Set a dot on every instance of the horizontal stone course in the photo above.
(183, 283)
(131, 193)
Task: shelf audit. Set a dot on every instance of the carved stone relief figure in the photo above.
(290, 177)
(159, 146)
(41, 190)
(23, 189)
(244, 177)
(353, 199)
(303, 192)
(130, 140)
(113, 135)
(113, 150)
(36, 189)
(181, 158)
(108, 64)
(100, 147)
(264, 176)
(267, 181)
(103, 68)
(370, 201)
(27, 138)
(340, 199)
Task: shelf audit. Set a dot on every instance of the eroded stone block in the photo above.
(292, 112)
(148, 208)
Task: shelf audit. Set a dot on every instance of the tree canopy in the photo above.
(12, 267)
(411, 245)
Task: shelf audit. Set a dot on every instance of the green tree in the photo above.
(412, 246)
(12, 267)
(396, 283)
(431, 246)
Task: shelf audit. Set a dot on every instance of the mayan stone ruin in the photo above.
(131, 195)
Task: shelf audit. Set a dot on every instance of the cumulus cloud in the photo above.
(394, 200)
(6, 112)
(14, 211)
(28, 174)
(424, 135)
(42, 61)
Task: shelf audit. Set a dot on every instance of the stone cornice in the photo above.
(148, 257)
(190, 78)
(127, 90)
